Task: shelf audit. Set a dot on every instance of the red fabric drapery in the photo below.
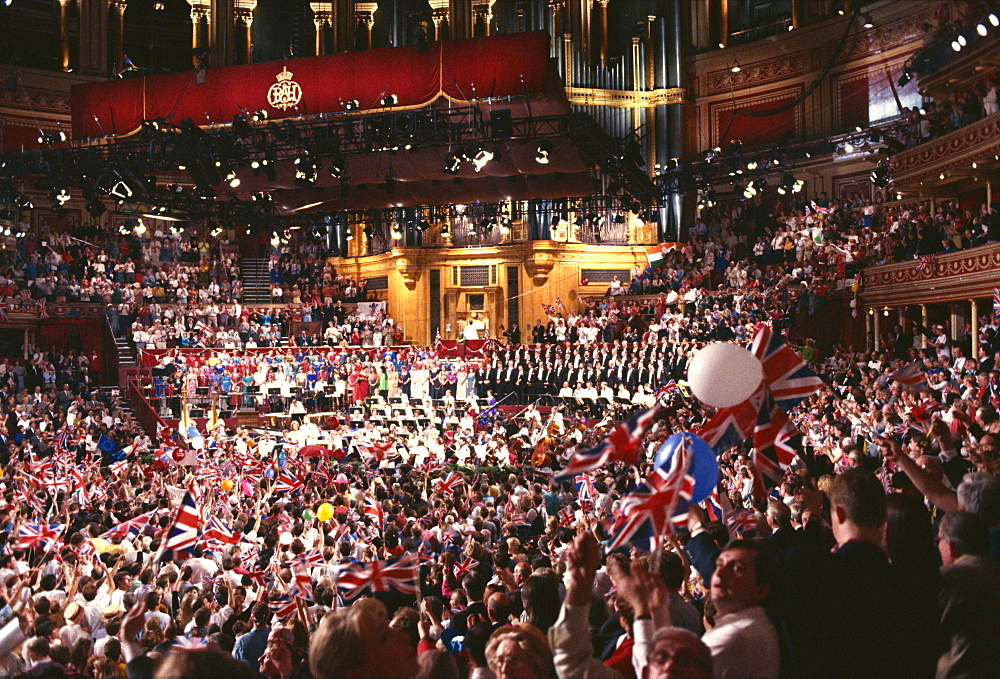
(461, 70)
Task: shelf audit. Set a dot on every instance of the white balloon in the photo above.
(285, 538)
(724, 374)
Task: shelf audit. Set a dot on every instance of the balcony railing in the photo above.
(968, 274)
(756, 33)
(955, 150)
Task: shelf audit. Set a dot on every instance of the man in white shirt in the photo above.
(743, 642)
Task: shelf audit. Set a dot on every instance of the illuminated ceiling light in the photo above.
(735, 68)
(974, 166)
(961, 40)
(956, 46)
(721, 46)
(941, 176)
(868, 21)
(994, 20)
(982, 30)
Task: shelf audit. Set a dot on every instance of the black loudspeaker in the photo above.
(500, 121)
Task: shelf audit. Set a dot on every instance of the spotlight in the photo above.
(961, 40)
(482, 157)
(336, 168)
(994, 20)
(848, 147)
(982, 30)
(396, 233)
(735, 68)
(452, 163)
(868, 21)
(389, 100)
(956, 46)
(260, 116)
(543, 152)
(140, 228)
(241, 126)
(905, 78)
(352, 105)
(95, 208)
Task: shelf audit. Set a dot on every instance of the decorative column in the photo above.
(439, 15)
(243, 13)
(64, 33)
(650, 67)
(955, 319)
(724, 23)
(796, 13)
(604, 30)
(554, 7)
(975, 330)
(365, 12)
(923, 323)
(322, 16)
(200, 9)
(120, 8)
(483, 12)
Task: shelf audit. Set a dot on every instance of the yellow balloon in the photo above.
(324, 512)
(227, 485)
(854, 287)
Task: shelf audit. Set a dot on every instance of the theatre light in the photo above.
(543, 152)
(389, 100)
(994, 20)
(868, 21)
(352, 105)
(481, 157)
(982, 30)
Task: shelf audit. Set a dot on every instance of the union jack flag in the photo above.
(258, 578)
(24, 295)
(78, 486)
(566, 518)
(424, 558)
(449, 483)
(313, 557)
(216, 531)
(374, 511)
(730, 426)
(741, 520)
(621, 445)
(819, 210)
(284, 607)
(586, 493)
(372, 451)
(713, 506)
(38, 534)
(645, 515)
(3, 311)
(43, 309)
(183, 532)
(667, 391)
(996, 304)
(400, 574)
(287, 481)
(464, 566)
(910, 375)
(130, 527)
(186, 643)
(787, 376)
(928, 264)
(775, 444)
(301, 582)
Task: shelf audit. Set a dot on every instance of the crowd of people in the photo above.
(369, 532)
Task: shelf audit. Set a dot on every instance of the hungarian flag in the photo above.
(656, 254)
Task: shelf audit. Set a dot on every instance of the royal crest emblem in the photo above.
(285, 93)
